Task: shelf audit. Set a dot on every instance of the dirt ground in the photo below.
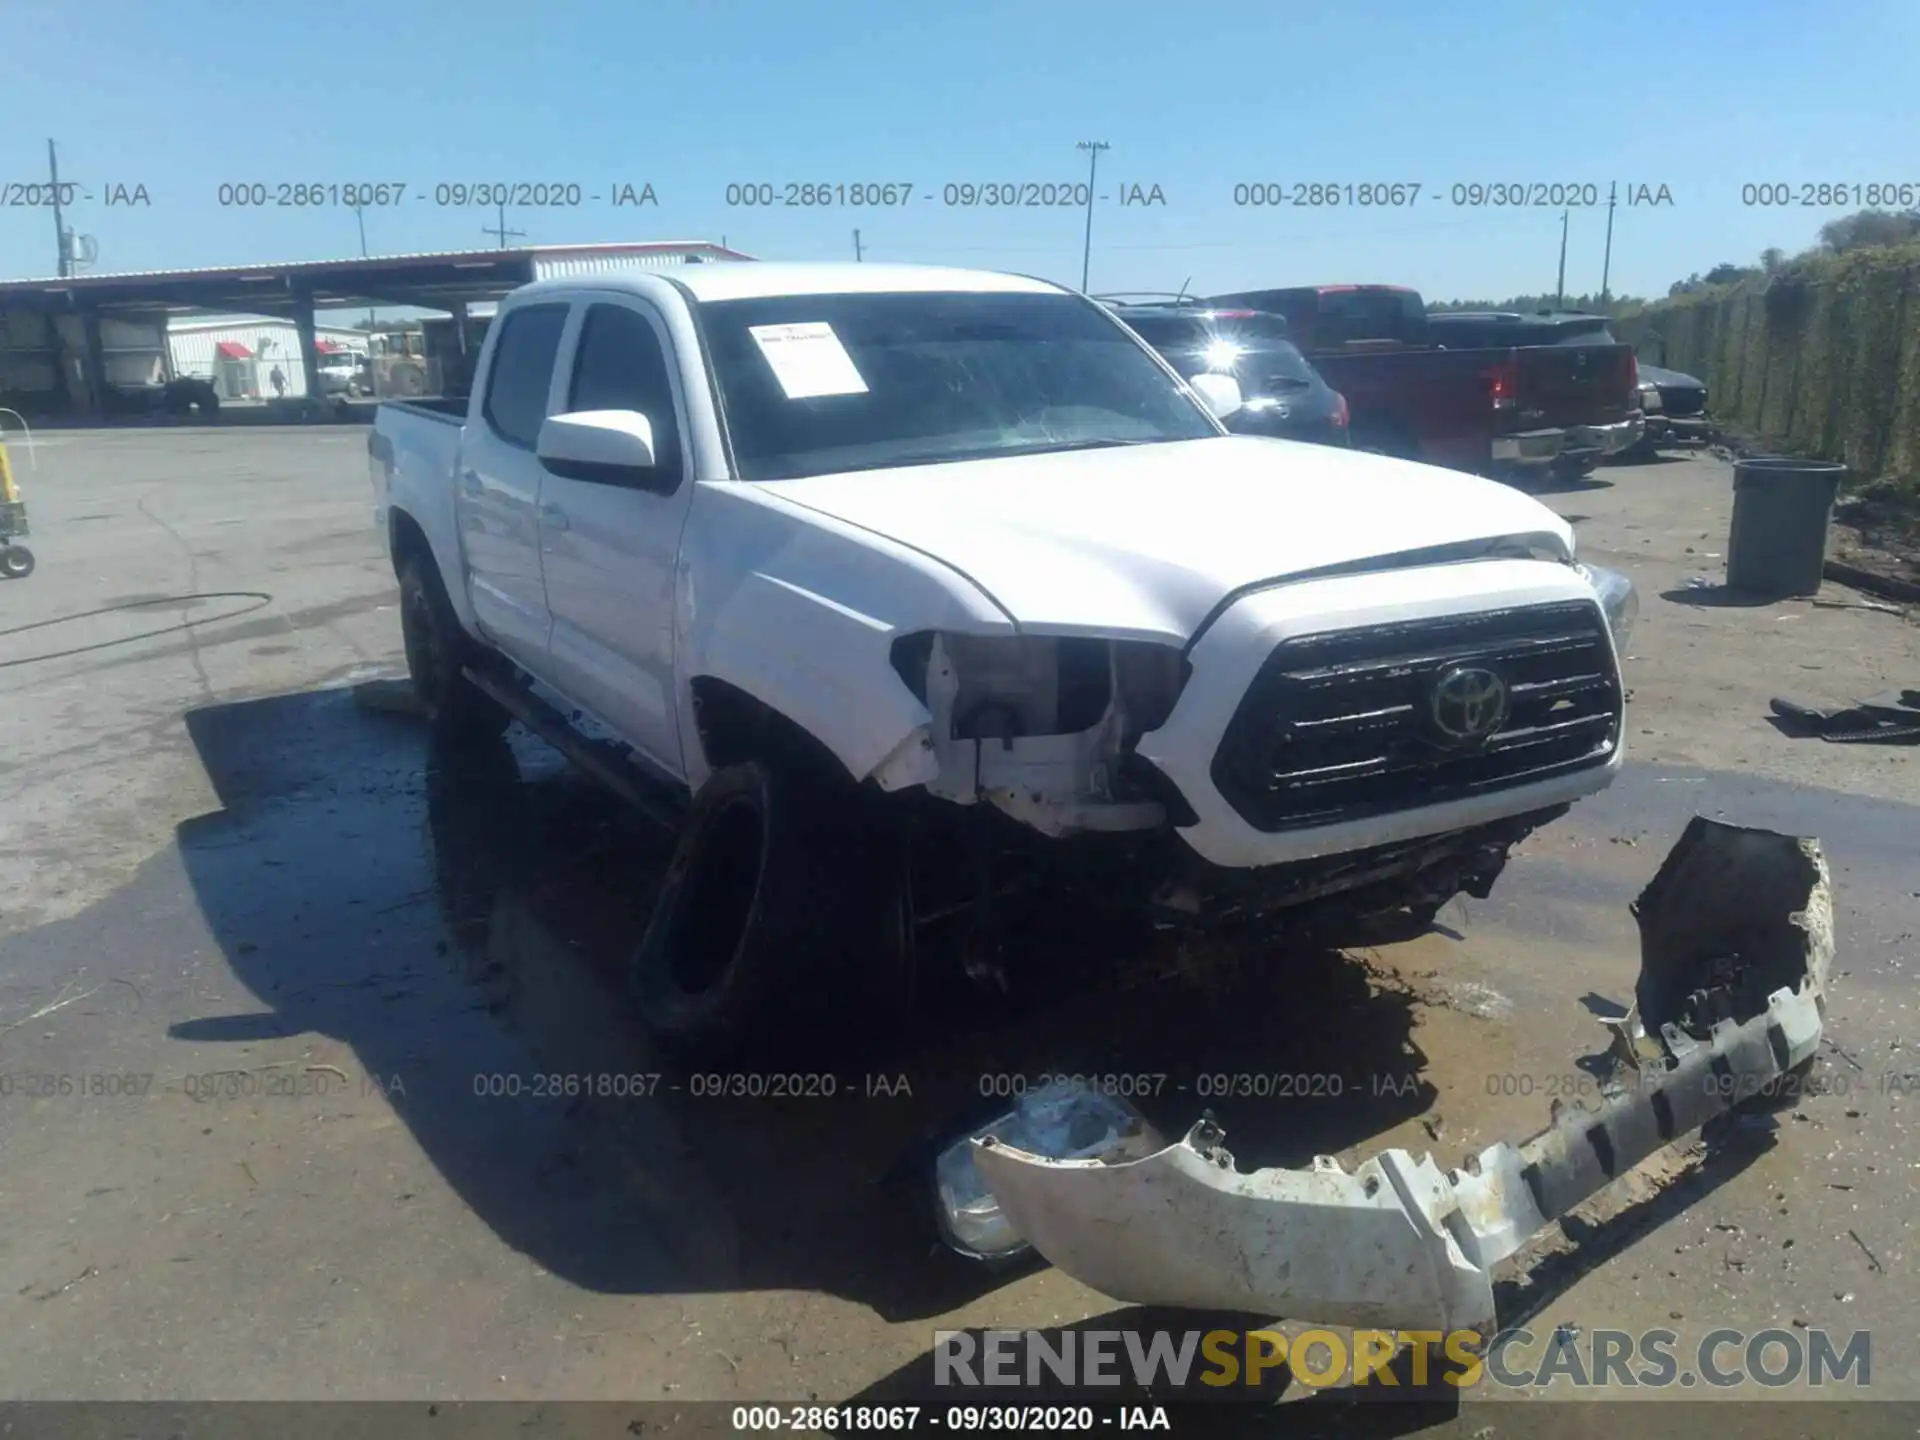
(294, 972)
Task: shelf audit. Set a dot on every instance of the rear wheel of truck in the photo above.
(16, 562)
(766, 923)
(437, 650)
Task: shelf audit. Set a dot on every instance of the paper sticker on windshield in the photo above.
(808, 360)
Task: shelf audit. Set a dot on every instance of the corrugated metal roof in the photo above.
(548, 266)
(350, 264)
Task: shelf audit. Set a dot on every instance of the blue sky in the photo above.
(690, 95)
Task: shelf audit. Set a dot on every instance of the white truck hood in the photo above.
(1144, 541)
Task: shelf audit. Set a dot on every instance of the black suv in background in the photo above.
(1284, 395)
(1675, 405)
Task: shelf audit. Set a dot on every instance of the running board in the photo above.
(598, 759)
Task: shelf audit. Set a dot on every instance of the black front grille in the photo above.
(1341, 725)
(1683, 400)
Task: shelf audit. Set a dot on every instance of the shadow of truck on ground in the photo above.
(464, 930)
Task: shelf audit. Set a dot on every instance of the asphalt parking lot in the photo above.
(327, 949)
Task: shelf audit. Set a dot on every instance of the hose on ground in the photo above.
(259, 597)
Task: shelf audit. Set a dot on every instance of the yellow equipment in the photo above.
(16, 561)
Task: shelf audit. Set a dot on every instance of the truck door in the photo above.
(609, 548)
(499, 482)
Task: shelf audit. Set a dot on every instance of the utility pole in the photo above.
(63, 252)
(1606, 265)
(1093, 149)
(501, 229)
(360, 214)
(856, 246)
(1560, 285)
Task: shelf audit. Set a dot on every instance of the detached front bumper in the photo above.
(1571, 442)
(1400, 1243)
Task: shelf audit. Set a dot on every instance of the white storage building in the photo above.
(240, 353)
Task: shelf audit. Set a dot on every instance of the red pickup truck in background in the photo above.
(1508, 412)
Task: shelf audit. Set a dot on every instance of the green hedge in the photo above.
(1822, 358)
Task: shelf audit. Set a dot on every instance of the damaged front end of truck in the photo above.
(1736, 944)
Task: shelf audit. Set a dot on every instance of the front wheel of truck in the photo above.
(765, 927)
(437, 651)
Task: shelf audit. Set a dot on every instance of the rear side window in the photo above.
(522, 373)
(1590, 335)
(621, 365)
(1347, 315)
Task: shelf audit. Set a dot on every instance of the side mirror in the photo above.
(613, 447)
(1219, 393)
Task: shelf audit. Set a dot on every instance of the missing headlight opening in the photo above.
(1040, 726)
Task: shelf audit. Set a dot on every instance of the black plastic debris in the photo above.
(1891, 718)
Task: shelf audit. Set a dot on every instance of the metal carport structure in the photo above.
(67, 336)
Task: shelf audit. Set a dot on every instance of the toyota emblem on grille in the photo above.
(1468, 703)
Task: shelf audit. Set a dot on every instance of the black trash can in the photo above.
(1777, 544)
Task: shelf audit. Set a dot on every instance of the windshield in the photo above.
(1252, 349)
(815, 384)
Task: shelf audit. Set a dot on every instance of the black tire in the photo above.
(437, 650)
(1575, 469)
(16, 562)
(770, 925)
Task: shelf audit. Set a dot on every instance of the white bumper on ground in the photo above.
(1399, 1243)
(1231, 652)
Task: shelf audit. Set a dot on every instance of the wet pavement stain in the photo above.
(387, 937)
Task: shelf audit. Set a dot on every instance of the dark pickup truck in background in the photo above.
(1504, 410)
(1674, 405)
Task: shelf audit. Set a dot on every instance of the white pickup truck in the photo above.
(816, 547)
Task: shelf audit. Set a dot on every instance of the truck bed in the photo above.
(1410, 395)
(450, 410)
(1435, 404)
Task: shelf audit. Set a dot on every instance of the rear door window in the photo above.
(521, 376)
(1348, 315)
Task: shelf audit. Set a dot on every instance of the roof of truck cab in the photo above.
(761, 279)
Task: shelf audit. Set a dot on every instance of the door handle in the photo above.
(553, 517)
(470, 481)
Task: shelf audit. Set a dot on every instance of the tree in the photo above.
(1772, 258)
(1726, 273)
(1867, 229)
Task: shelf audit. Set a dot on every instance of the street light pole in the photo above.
(63, 254)
(1606, 264)
(1093, 149)
(1560, 285)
